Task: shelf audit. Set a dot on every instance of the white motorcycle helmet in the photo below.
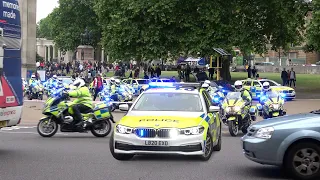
(33, 76)
(112, 80)
(205, 85)
(207, 82)
(79, 83)
(54, 77)
(266, 86)
(117, 82)
(238, 86)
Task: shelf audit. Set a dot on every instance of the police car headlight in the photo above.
(173, 133)
(193, 130)
(124, 129)
(264, 133)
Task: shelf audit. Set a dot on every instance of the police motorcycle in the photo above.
(58, 111)
(104, 96)
(36, 92)
(238, 113)
(216, 95)
(271, 103)
(121, 96)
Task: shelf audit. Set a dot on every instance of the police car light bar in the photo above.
(172, 85)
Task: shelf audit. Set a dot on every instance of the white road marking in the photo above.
(17, 127)
(11, 132)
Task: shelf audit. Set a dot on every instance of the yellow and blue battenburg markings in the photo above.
(205, 117)
(101, 111)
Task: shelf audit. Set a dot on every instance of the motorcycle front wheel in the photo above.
(101, 128)
(47, 128)
(233, 128)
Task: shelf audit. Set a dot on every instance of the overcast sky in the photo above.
(45, 7)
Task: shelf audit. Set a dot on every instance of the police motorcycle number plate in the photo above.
(156, 143)
(3, 124)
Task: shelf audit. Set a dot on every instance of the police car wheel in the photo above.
(120, 157)
(218, 146)
(208, 149)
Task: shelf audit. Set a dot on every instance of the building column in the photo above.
(59, 55)
(54, 52)
(28, 9)
(45, 54)
(102, 55)
(49, 53)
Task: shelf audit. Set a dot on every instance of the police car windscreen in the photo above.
(169, 102)
(143, 81)
(67, 80)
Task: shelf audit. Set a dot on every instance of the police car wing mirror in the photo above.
(213, 109)
(124, 107)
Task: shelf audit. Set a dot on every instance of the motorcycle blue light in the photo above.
(216, 99)
(282, 95)
(263, 98)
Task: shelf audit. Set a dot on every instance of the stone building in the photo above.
(28, 9)
(296, 54)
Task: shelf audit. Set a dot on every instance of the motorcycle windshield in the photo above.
(272, 94)
(233, 99)
(233, 95)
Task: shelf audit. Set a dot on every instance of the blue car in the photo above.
(292, 142)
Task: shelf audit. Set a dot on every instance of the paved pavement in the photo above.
(24, 155)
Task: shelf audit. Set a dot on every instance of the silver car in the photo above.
(292, 142)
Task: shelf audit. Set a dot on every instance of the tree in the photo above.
(313, 33)
(151, 28)
(276, 22)
(70, 20)
(45, 28)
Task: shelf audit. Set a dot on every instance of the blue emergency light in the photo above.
(263, 98)
(161, 84)
(216, 99)
(283, 95)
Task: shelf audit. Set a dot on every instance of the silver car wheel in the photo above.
(306, 162)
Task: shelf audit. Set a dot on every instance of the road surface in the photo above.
(24, 155)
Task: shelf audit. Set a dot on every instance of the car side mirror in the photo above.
(124, 107)
(213, 109)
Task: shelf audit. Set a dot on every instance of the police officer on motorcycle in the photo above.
(32, 82)
(266, 88)
(83, 103)
(245, 94)
(53, 79)
(115, 89)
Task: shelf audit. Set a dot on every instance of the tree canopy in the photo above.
(152, 28)
(67, 22)
(313, 31)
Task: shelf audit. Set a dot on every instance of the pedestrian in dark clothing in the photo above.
(187, 73)
(254, 72)
(292, 78)
(211, 73)
(284, 77)
(249, 71)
